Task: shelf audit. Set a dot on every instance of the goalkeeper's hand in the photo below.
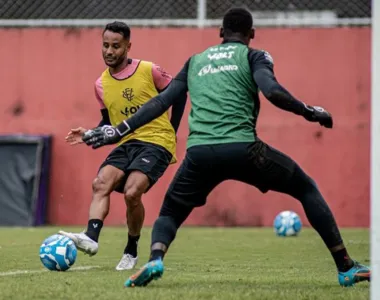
(101, 136)
(318, 114)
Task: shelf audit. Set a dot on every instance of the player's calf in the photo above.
(102, 186)
(137, 183)
(135, 214)
(135, 221)
(322, 219)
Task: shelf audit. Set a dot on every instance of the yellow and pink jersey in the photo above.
(125, 92)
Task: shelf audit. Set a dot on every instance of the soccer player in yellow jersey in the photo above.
(140, 159)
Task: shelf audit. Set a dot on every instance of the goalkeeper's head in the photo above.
(116, 44)
(238, 25)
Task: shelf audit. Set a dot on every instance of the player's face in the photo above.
(115, 48)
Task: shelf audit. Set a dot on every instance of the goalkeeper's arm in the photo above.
(176, 92)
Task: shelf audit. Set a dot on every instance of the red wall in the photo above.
(47, 78)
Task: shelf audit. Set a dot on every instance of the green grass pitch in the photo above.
(203, 263)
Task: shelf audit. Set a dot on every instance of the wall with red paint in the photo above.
(47, 78)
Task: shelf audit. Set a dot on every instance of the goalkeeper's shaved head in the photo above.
(238, 24)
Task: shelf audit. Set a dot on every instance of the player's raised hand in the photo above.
(320, 115)
(74, 137)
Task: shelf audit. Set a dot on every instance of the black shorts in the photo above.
(150, 159)
(256, 164)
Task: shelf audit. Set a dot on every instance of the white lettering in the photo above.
(210, 70)
(205, 70)
(227, 48)
(222, 48)
(220, 55)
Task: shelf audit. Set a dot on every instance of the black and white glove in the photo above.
(318, 114)
(106, 135)
(101, 136)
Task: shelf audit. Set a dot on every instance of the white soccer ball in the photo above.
(287, 223)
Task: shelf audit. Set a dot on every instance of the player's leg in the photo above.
(109, 176)
(278, 172)
(304, 189)
(136, 185)
(194, 180)
(171, 217)
(148, 164)
(103, 185)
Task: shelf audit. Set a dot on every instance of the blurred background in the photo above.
(50, 57)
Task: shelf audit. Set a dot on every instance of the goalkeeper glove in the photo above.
(105, 135)
(318, 114)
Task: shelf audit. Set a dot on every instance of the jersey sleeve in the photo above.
(261, 63)
(99, 93)
(160, 77)
(260, 59)
(182, 74)
(179, 104)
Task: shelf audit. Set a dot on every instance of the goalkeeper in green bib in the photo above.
(224, 82)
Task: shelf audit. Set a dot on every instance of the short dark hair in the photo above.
(119, 27)
(238, 20)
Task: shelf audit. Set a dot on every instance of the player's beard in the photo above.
(116, 62)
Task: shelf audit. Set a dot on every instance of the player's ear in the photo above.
(221, 32)
(129, 45)
(252, 35)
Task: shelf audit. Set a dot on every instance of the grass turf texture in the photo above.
(203, 263)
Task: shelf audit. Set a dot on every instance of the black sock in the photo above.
(93, 229)
(131, 247)
(156, 254)
(342, 260)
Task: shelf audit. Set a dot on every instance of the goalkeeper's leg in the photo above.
(303, 188)
(271, 169)
(189, 189)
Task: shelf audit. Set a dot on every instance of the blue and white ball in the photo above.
(58, 253)
(287, 223)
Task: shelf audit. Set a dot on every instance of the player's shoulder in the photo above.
(142, 66)
(142, 62)
(260, 55)
(161, 77)
(149, 65)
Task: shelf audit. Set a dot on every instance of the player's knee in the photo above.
(313, 184)
(302, 184)
(308, 193)
(132, 196)
(310, 186)
(101, 186)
